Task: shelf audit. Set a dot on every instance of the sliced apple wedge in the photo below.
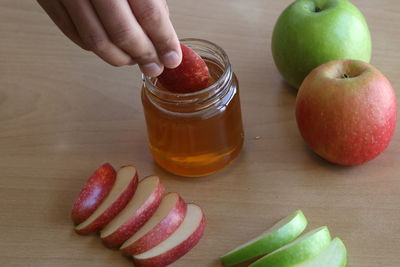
(280, 234)
(93, 193)
(335, 255)
(136, 213)
(122, 191)
(298, 251)
(190, 76)
(186, 236)
(168, 216)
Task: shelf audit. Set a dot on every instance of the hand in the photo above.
(121, 32)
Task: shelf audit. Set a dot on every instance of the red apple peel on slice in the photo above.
(122, 191)
(159, 227)
(186, 236)
(93, 193)
(136, 213)
(190, 76)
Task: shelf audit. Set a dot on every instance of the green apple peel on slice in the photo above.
(335, 255)
(302, 249)
(283, 232)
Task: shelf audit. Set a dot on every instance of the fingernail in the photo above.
(170, 59)
(151, 69)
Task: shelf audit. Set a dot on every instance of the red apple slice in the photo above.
(159, 227)
(138, 211)
(93, 193)
(190, 76)
(122, 191)
(179, 243)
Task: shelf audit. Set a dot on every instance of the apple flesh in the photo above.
(93, 193)
(309, 33)
(346, 111)
(298, 251)
(186, 236)
(136, 213)
(122, 191)
(335, 255)
(166, 219)
(190, 76)
(280, 234)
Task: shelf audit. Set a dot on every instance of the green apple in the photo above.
(311, 32)
(280, 234)
(302, 249)
(335, 255)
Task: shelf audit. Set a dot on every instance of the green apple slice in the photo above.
(298, 251)
(280, 234)
(335, 255)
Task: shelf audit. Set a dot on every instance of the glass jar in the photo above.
(199, 133)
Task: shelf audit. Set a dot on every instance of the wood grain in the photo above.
(63, 112)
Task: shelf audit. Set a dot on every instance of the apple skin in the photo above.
(304, 38)
(347, 121)
(302, 249)
(190, 76)
(160, 232)
(335, 255)
(94, 191)
(280, 234)
(137, 220)
(177, 252)
(113, 210)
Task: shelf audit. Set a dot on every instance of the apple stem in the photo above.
(317, 9)
(345, 76)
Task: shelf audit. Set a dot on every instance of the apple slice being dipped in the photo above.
(122, 191)
(93, 193)
(136, 213)
(335, 255)
(280, 234)
(190, 76)
(302, 249)
(185, 237)
(168, 216)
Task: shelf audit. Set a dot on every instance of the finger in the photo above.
(125, 32)
(60, 17)
(153, 16)
(93, 34)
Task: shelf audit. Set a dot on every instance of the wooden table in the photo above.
(63, 112)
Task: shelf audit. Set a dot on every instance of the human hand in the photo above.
(121, 32)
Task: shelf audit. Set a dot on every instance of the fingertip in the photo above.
(132, 62)
(81, 45)
(171, 59)
(151, 69)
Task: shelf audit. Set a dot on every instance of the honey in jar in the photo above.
(195, 134)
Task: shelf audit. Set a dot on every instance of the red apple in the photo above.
(346, 111)
(93, 193)
(190, 76)
(136, 213)
(122, 191)
(160, 226)
(186, 236)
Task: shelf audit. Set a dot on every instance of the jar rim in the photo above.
(226, 72)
